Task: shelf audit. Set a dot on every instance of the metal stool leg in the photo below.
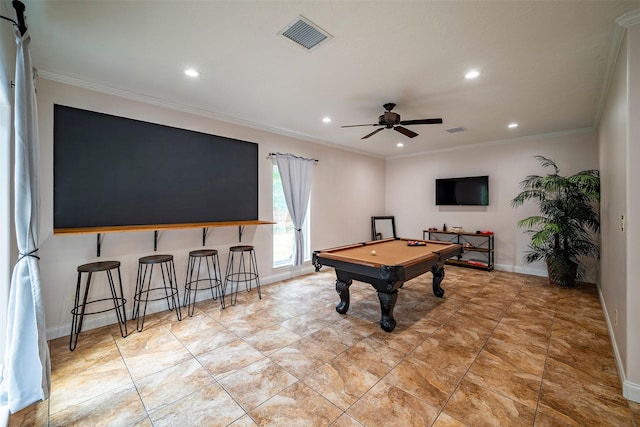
(122, 316)
(167, 292)
(229, 278)
(211, 285)
(173, 287)
(191, 305)
(77, 318)
(186, 298)
(142, 276)
(218, 278)
(242, 269)
(254, 264)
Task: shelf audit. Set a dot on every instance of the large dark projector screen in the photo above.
(115, 171)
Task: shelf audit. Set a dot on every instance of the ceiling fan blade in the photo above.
(372, 133)
(353, 126)
(421, 122)
(405, 131)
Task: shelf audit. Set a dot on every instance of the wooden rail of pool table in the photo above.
(380, 260)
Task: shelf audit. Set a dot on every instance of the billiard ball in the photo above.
(373, 252)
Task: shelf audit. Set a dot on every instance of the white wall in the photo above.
(619, 134)
(341, 206)
(614, 167)
(411, 181)
(633, 212)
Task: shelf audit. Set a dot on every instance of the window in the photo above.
(283, 232)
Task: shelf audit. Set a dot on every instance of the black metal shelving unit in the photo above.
(478, 247)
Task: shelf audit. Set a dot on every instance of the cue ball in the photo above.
(373, 252)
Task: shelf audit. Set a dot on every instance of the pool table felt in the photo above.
(388, 252)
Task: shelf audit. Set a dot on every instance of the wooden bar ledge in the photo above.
(156, 228)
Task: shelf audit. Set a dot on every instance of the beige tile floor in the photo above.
(500, 349)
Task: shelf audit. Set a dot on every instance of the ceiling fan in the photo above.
(391, 121)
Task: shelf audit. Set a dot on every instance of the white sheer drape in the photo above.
(296, 174)
(26, 375)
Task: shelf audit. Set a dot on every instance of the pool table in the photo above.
(386, 265)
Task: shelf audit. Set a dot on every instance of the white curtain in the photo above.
(26, 376)
(296, 174)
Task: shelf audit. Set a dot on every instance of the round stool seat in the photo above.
(155, 259)
(242, 248)
(92, 267)
(203, 253)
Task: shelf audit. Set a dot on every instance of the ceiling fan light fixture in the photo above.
(390, 120)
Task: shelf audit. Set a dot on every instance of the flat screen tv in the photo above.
(465, 191)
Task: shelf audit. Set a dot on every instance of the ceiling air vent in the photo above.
(456, 130)
(305, 33)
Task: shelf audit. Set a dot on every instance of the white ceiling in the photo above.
(543, 63)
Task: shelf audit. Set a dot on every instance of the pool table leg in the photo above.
(387, 303)
(438, 276)
(342, 288)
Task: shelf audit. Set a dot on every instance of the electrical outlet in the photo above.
(615, 317)
(622, 223)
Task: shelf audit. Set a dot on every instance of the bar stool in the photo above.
(210, 257)
(241, 267)
(80, 309)
(143, 286)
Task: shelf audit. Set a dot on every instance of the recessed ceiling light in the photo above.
(191, 72)
(512, 125)
(399, 145)
(472, 74)
(326, 120)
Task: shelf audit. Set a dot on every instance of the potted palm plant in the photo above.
(564, 232)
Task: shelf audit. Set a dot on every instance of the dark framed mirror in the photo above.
(383, 227)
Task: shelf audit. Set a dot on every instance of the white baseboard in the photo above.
(521, 270)
(630, 390)
(288, 273)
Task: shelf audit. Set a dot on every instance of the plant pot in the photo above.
(561, 271)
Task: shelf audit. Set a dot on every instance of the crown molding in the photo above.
(537, 137)
(629, 19)
(72, 81)
(158, 102)
(623, 22)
